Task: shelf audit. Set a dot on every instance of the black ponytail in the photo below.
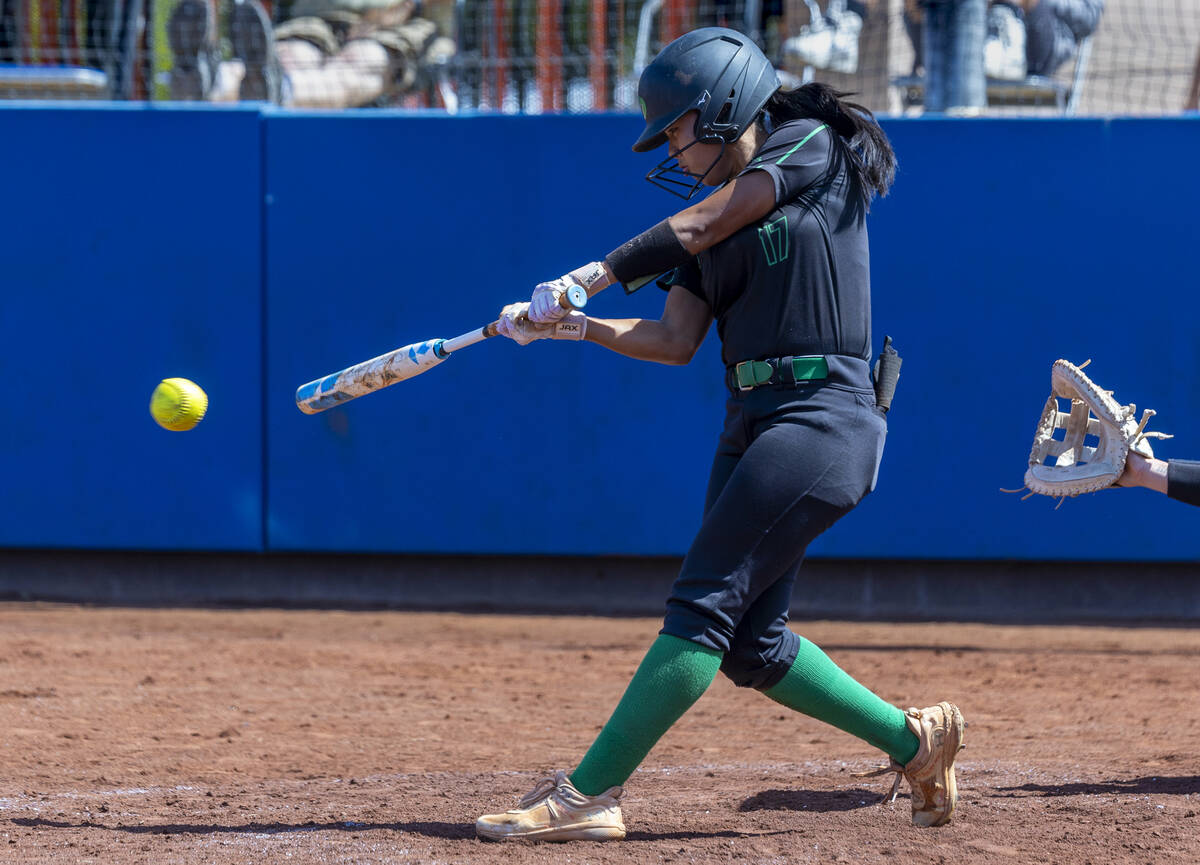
(863, 142)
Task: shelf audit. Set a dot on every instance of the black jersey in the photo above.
(797, 282)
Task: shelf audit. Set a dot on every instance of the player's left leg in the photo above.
(922, 743)
(802, 474)
(795, 672)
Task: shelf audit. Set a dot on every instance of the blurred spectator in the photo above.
(1022, 38)
(1004, 47)
(326, 54)
(948, 47)
(1054, 29)
(1193, 100)
(1036, 37)
(830, 39)
(192, 38)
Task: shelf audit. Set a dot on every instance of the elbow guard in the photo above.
(650, 253)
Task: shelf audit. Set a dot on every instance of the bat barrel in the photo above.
(369, 376)
(387, 369)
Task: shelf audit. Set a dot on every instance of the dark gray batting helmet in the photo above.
(719, 72)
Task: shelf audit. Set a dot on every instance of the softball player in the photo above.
(777, 256)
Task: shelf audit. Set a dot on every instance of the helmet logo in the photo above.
(642, 102)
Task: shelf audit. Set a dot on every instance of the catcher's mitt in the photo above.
(1083, 449)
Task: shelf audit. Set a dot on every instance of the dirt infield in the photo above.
(189, 736)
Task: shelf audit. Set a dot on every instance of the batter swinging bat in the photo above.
(411, 360)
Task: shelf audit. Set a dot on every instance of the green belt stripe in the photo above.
(752, 373)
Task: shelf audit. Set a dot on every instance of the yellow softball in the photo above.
(178, 404)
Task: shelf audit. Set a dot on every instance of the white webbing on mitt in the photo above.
(1097, 435)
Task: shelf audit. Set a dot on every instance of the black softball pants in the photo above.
(790, 462)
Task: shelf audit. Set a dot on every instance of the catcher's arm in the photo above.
(1142, 472)
(1177, 479)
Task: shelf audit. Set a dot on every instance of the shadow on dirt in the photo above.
(1167, 785)
(452, 831)
(693, 836)
(817, 801)
(445, 831)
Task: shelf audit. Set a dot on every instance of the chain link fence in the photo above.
(578, 56)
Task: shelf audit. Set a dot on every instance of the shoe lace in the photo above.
(544, 788)
(893, 766)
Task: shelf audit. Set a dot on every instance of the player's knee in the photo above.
(749, 669)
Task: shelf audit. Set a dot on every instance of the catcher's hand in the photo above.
(1083, 449)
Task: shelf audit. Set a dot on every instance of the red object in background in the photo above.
(40, 44)
(52, 47)
(549, 57)
(677, 18)
(499, 42)
(597, 54)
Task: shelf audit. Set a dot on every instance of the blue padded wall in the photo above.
(131, 243)
(427, 227)
(143, 242)
(1004, 245)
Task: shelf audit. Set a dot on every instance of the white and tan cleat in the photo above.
(555, 811)
(930, 773)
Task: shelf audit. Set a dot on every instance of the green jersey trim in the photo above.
(796, 147)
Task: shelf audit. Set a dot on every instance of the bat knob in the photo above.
(577, 296)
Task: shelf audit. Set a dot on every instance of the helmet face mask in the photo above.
(677, 180)
(717, 72)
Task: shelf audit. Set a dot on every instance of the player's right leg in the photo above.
(555, 810)
(585, 805)
(673, 675)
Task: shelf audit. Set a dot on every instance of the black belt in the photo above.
(750, 374)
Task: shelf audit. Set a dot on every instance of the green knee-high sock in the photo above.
(672, 676)
(818, 687)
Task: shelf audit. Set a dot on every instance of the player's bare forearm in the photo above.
(641, 338)
(729, 209)
(672, 339)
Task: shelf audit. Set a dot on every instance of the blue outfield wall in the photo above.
(431, 224)
(131, 244)
(1005, 244)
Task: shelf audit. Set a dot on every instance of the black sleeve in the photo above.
(687, 276)
(796, 155)
(1183, 481)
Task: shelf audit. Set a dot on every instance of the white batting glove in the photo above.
(514, 322)
(545, 305)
